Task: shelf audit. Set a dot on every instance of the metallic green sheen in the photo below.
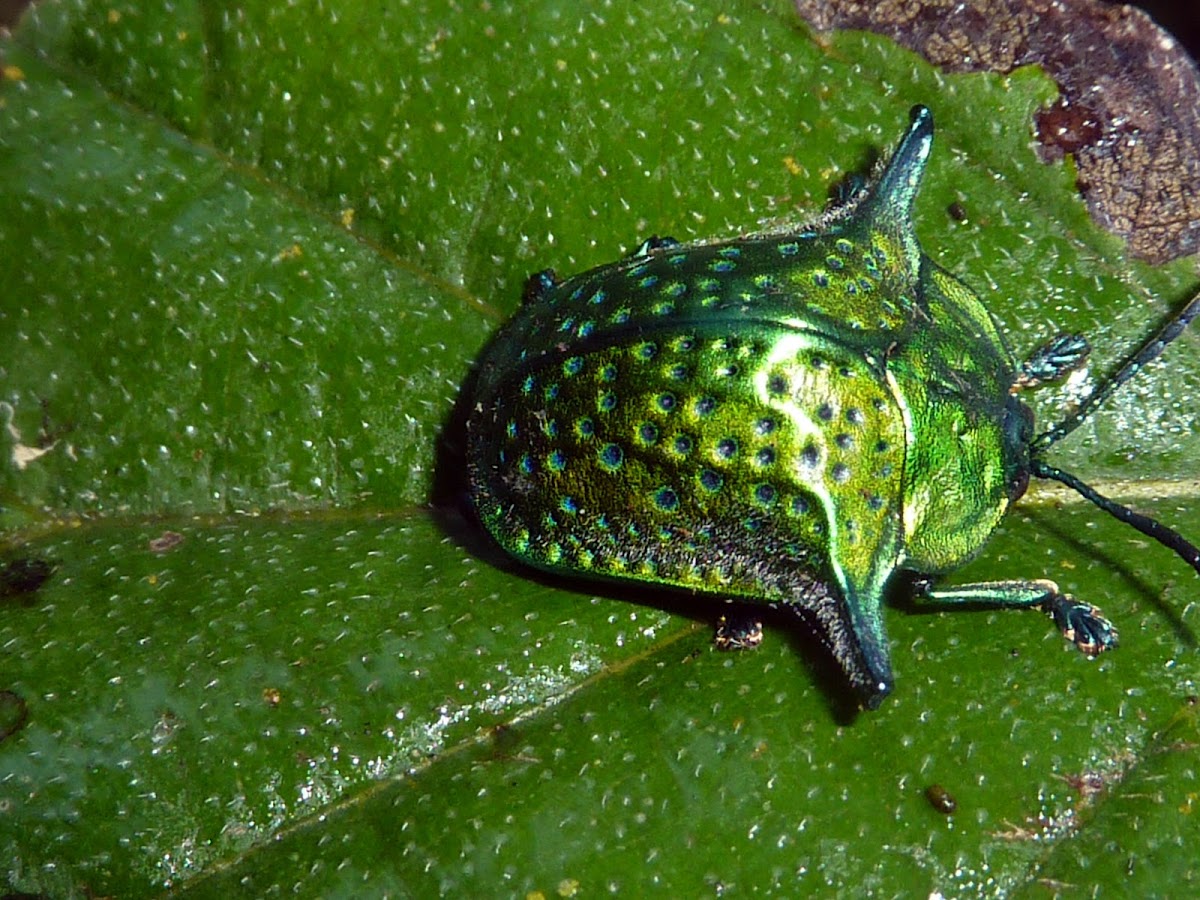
(787, 418)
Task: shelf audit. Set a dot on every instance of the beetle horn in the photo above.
(891, 197)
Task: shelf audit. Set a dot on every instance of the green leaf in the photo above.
(248, 257)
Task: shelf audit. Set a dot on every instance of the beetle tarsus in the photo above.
(652, 243)
(848, 189)
(738, 631)
(538, 285)
(1082, 624)
(1057, 357)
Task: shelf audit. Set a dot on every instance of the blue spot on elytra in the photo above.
(572, 366)
(843, 246)
(511, 429)
(730, 252)
(678, 373)
(597, 298)
(611, 457)
(666, 401)
(550, 428)
(665, 308)
(586, 328)
(556, 461)
(708, 284)
(566, 324)
(606, 402)
(834, 262)
(648, 433)
(666, 499)
(585, 427)
(705, 406)
(764, 494)
(683, 445)
(648, 282)
(568, 505)
(799, 506)
(851, 288)
(765, 426)
(677, 259)
(710, 480)
(608, 373)
(765, 456)
(820, 279)
(675, 289)
(727, 448)
(528, 385)
(621, 316)
(722, 265)
(791, 248)
(646, 350)
(526, 464)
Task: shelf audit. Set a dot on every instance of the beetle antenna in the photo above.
(1146, 353)
(1185, 550)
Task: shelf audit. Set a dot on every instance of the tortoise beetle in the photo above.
(788, 418)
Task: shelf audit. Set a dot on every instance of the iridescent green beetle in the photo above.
(789, 418)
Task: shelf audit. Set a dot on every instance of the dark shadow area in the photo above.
(10, 11)
(705, 609)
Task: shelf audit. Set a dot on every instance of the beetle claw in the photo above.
(1082, 624)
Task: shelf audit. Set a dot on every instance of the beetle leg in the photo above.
(1051, 361)
(848, 189)
(738, 631)
(1081, 623)
(538, 285)
(652, 243)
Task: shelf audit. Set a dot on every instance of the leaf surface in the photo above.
(248, 257)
